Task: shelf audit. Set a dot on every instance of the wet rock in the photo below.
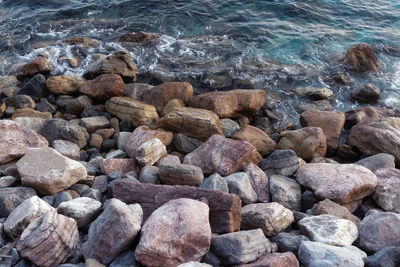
(103, 87)
(378, 161)
(229, 127)
(387, 193)
(329, 207)
(320, 105)
(272, 217)
(139, 37)
(9, 86)
(48, 171)
(215, 182)
(342, 183)
(222, 155)
(386, 257)
(74, 105)
(180, 174)
(185, 144)
(67, 148)
(35, 87)
(38, 65)
(259, 182)
(281, 162)
(362, 58)
(366, 114)
(286, 259)
(123, 165)
(150, 151)
(149, 174)
(367, 93)
(289, 242)
(12, 197)
(64, 85)
(93, 124)
(83, 209)
(105, 243)
(258, 138)
(239, 184)
(342, 79)
(179, 231)
(82, 41)
(285, 191)
(316, 93)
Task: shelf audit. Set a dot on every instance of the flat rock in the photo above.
(259, 182)
(139, 37)
(180, 174)
(287, 259)
(12, 197)
(387, 193)
(215, 182)
(83, 209)
(150, 151)
(258, 138)
(332, 208)
(67, 148)
(93, 124)
(378, 161)
(239, 184)
(362, 58)
(123, 165)
(285, 191)
(64, 85)
(81, 41)
(30, 113)
(103, 87)
(281, 162)
(38, 65)
(315, 93)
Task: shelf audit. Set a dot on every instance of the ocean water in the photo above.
(218, 45)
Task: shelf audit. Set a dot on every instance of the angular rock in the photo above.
(179, 231)
(387, 257)
(281, 162)
(74, 106)
(35, 87)
(225, 209)
(54, 129)
(67, 148)
(103, 87)
(362, 58)
(169, 159)
(258, 138)
(387, 193)
(229, 127)
(239, 184)
(332, 208)
(342, 183)
(7, 181)
(367, 93)
(285, 191)
(38, 65)
(287, 259)
(83, 209)
(150, 151)
(30, 123)
(136, 90)
(289, 242)
(123, 138)
(126, 259)
(123, 165)
(259, 182)
(11, 197)
(48, 171)
(378, 161)
(9, 86)
(215, 182)
(180, 174)
(93, 124)
(64, 85)
(185, 144)
(367, 114)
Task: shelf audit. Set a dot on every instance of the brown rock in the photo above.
(192, 122)
(258, 138)
(180, 174)
(225, 209)
(231, 104)
(95, 123)
(103, 87)
(30, 113)
(331, 123)
(367, 114)
(49, 240)
(150, 151)
(139, 37)
(332, 208)
(123, 165)
(172, 105)
(38, 65)
(366, 93)
(105, 133)
(64, 85)
(96, 141)
(308, 142)
(362, 58)
(136, 90)
(259, 182)
(82, 40)
(286, 259)
(2, 108)
(222, 155)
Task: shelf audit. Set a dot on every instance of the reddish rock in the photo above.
(169, 159)
(231, 104)
(362, 58)
(123, 165)
(258, 138)
(38, 65)
(222, 155)
(367, 114)
(64, 85)
(332, 208)
(225, 209)
(286, 259)
(105, 133)
(387, 194)
(103, 87)
(331, 123)
(14, 140)
(259, 182)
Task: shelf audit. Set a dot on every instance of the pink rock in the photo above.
(259, 182)
(123, 165)
(169, 159)
(286, 259)
(103, 87)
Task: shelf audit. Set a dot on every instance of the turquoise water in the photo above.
(216, 45)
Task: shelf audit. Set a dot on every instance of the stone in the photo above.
(122, 140)
(105, 133)
(139, 37)
(38, 65)
(48, 171)
(83, 209)
(367, 114)
(315, 93)
(137, 112)
(239, 184)
(9, 86)
(308, 142)
(225, 209)
(367, 93)
(185, 144)
(289, 242)
(64, 196)
(169, 159)
(30, 123)
(115, 154)
(231, 104)
(149, 174)
(229, 127)
(180, 174)
(285, 191)
(188, 121)
(332, 208)
(322, 105)
(7, 181)
(378, 161)
(287, 259)
(75, 106)
(136, 90)
(194, 264)
(281, 162)
(12, 197)
(49, 240)
(362, 58)
(67, 148)
(20, 102)
(120, 63)
(103, 87)
(35, 87)
(386, 257)
(15, 139)
(258, 138)
(331, 123)
(150, 151)
(82, 41)
(93, 124)
(96, 141)
(30, 113)
(172, 105)
(123, 165)
(240, 247)
(45, 106)
(223, 156)
(105, 243)
(126, 259)
(320, 255)
(342, 183)
(387, 193)
(376, 137)
(215, 182)
(329, 230)
(380, 230)
(64, 85)
(342, 79)
(259, 182)
(179, 231)
(272, 217)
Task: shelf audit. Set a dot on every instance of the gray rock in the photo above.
(30, 123)
(185, 144)
(123, 139)
(93, 124)
(211, 258)
(308, 199)
(387, 193)
(74, 105)
(281, 162)
(79, 188)
(181, 174)
(35, 87)
(100, 183)
(386, 257)
(126, 259)
(67, 148)
(11, 197)
(7, 181)
(215, 182)
(149, 174)
(194, 264)
(229, 127)
(83, 209)
(61, 197)
(116, 154)
(289, 242)
(285, 191)
(375, 162)
(239, 184)
(259, 182)
(93, 193)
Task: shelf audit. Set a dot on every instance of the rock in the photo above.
(272, 217)
(259, 182)
(126, 259)
(378, 161)
(329, 207)
(188, 121)
(149, 174)
(30, 113)
(179, 231)
(287, 259)
(225, 209)
(185, 144)
(35, 87)
(20, 102)
(7, 181)
(96, 141)
(367, 114)
(9, 86)
(120, 63)
(136, 90)
(319, 254)
(14, 140)
(239, 184)
(367, 93)
(74, 105)
(331, 123)
(83, 209)
(105, 133)
(67, 148)
(123, 165)
(229, 127)
(82, 41)
(231, 104)
(24, 214)
(103, 87)
(321, 105)
(48, 171)
(387, 257)
(342, 79)
(2, 108)
(49, 240)
(222, 155)
(105, 243)
(169, 159)
(329, 230)
(93, 124)
(139, 37)
(12, 197)
(308, 142)
(172, 105)
(289, 242)
(30, 123)
(387, 193)
(240, 247)
(135, 111)
(45, 106)
(258, 138)
(194, 264)
(115, 154)
(281, 162)
(64, 85)
(38, 65)
(159, 95)
(316, 93)
(215, 182)
(285, 191)
(380, 230)
(123, 138)
(362, 58)
(378, 136)
(342, 183)
(181, 174)
(150, 151)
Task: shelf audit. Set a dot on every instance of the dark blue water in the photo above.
(272, 45)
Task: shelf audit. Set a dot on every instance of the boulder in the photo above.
(103, 87)
(320, 105)
(180, 174)
(64, 85)
(38, 65)
(258, 138)
(285, 191)
(122, 140)
(149, 174)
(259, 182)
(215, 182)
(177, 232)
(20, 101)
(83, 209)
(362, 58)
(82, 41)
(332, 208)
(239, 184)
(93, 124)
(74, 106)
(378, 161)
(287, 259)
(150, 151)
(48, 171)
(289, 241)
(172, 105)
(136, 90)
(387, 193)
(367, 93)
(222, 155)
(367, 114)
(229, 127)
(12, 197)
(55, 129)
(67, 148)
(281, 162)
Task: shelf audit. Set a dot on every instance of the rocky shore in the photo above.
(101, 170)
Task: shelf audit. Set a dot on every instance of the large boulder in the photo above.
(103, 87)
(177, 232)
(387, 194)
(38, 65)
(387, 257)
(67, 148)
(64, 85)
(362, 58)
(258, 138)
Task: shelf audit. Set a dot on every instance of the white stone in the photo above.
(67, 148)
(150, 151)
(83, 209)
